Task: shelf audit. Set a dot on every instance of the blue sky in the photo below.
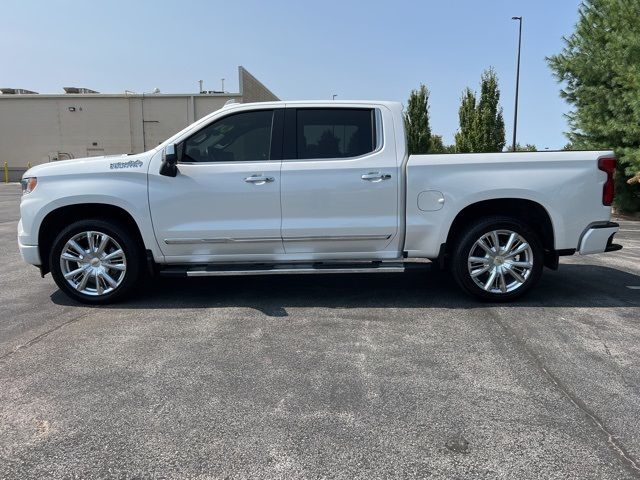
(300, 50)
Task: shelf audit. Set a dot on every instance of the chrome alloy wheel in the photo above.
(500, 261)
(93, 263)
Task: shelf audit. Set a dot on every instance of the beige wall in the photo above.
(41, 128)
(252, 89)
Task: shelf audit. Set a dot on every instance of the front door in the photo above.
(339, 183)
(224, 203)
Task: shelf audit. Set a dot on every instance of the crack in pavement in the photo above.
(625, 457)
(42, 336)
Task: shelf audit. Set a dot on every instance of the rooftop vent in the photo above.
(78, 90)
(16, 91)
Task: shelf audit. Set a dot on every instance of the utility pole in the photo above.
(222, 80)
(515, 113)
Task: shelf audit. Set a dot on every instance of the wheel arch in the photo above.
(60, 217)
(531, 212)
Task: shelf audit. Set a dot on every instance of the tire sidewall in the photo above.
(465, 244)
(120, 235)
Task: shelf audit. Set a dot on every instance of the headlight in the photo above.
(28, 184)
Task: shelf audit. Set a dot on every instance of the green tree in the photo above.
(529, 147)
(481, 121)
(416, 121)
(489, 121)
(465, 137)
(600, 71)
(438, 145)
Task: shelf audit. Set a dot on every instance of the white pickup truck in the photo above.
(311, 187)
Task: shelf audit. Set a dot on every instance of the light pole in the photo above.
(515, 113)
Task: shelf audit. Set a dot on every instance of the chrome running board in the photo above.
(280, 269)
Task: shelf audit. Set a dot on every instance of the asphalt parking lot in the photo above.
(360, 376)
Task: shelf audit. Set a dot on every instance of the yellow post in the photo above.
(28, 165)
(6, 172)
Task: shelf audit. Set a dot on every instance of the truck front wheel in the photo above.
(497, 259)
(95, 261)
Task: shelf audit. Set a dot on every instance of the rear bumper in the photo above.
(599, 239)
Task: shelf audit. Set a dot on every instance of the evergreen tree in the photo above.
(600, 71)
(416, 121)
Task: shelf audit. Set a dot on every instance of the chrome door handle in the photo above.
(259, 179)
(375, 176)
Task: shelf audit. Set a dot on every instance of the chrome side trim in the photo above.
(319, 238)
(189, 241)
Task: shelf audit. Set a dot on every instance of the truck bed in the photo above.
(567, 184)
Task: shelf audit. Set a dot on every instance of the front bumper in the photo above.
(599, 239)
(30, 254)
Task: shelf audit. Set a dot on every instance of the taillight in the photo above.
(607, 165)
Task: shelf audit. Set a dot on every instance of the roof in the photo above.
(323, 103)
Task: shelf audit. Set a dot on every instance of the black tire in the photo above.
(466, 241)
(133, 254)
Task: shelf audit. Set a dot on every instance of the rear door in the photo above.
(339, 183)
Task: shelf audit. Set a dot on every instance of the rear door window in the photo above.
(334, 132)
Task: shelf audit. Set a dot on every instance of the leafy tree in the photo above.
(438, 146)
(490, 123)
(600, 71)
(465, 137)
(416, 121)
(481, 121)
(529, 147)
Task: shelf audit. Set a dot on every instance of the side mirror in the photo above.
(169, 166)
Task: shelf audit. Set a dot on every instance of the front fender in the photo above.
(126, 190)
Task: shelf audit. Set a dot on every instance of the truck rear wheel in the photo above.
(497, 259)
(95, 261)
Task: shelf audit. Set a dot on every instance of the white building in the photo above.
(37, 128)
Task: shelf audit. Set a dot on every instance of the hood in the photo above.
(107, 163)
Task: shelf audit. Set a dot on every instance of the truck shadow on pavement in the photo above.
(571, 286)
